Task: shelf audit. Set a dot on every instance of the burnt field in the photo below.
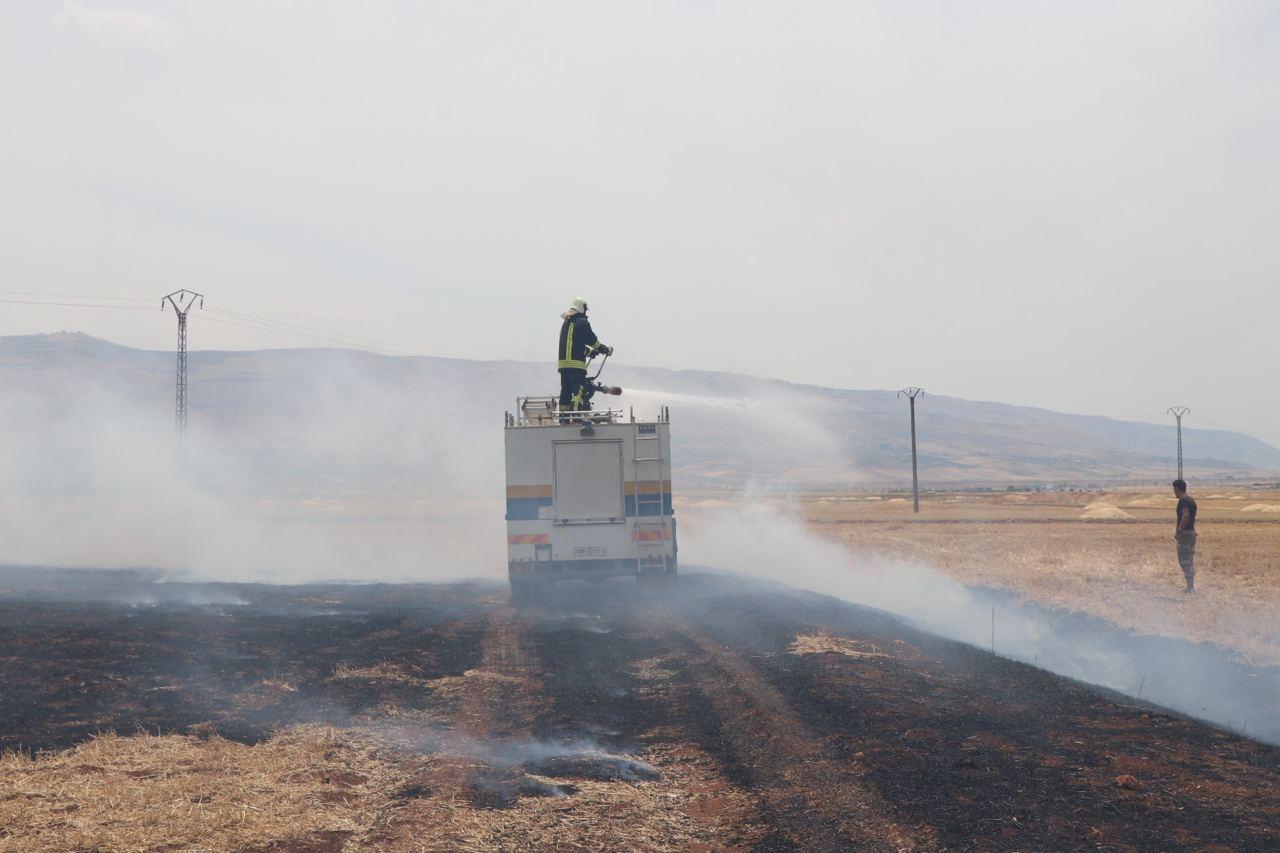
(721, 714)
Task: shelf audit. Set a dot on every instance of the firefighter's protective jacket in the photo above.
(577, 341)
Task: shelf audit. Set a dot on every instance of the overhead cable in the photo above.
(318, 336)
(75, 296)
(323, 332)
(73, 304)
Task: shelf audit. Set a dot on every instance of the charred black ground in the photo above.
(877, 736)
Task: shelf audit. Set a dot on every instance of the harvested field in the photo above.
(726, 714)
(1110, 555)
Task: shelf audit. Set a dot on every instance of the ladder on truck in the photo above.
(651, 530)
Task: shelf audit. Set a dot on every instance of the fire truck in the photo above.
(588, 494)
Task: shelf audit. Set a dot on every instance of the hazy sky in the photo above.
(1067, 204)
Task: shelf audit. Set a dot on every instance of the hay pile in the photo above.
(1261, 508)
(1148, 503)
(182, 792)
(1099, 510)
(448, 687)
(814, 644)
(456, 687)
(383, 671)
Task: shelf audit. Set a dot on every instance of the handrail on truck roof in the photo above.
(545, 411)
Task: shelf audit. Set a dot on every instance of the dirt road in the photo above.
(721, 714)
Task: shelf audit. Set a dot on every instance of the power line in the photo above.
(325, 333)
(264, 328)
(74, 304)
(301, 334)
(247, 321)
(74, 296)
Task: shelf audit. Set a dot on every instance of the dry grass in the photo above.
(383, 671)
(181, 792)
(311, 785)
(458, 686)
(657, 816)
(1123, 570)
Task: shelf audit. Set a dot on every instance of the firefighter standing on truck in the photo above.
(577, 344)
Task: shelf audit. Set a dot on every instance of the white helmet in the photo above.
(579, 305)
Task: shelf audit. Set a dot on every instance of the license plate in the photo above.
(590, 551)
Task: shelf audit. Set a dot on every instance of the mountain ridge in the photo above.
(731, 428)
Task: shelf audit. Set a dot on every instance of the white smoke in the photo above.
(763, 536)
(339, 476)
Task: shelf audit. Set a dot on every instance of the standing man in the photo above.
(1185, 534)
(577, 344)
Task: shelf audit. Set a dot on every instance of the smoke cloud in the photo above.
(321, 472)
(333, 465)
(762, 536)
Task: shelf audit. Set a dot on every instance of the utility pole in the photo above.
(1178, 412)
(912, 393)
(181, 300)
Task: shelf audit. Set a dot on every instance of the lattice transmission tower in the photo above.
(182, 302)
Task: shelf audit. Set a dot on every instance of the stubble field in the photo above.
(721, 714)
(724, 714)
(1109, 554)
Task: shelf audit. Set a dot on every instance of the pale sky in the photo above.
(1066, 204)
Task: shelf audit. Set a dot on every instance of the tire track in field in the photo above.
(447, 804)
(816, 801)
(504, 696)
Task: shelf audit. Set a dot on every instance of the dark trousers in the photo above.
(571, 381)
(1187, 557)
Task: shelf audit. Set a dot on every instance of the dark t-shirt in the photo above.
(1186, 502)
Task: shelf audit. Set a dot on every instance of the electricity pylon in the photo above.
(181, 300)
(1178, 412)
(912, 393)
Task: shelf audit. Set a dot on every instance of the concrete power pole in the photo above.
(181, 300)
(1178, 412)
(912, 393)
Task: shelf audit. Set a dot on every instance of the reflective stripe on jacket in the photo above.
(577, 341)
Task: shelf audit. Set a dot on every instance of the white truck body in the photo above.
(588, 496)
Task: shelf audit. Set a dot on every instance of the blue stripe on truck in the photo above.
(650, 507)
(527, 509)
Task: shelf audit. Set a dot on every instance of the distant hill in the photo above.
(310, 417)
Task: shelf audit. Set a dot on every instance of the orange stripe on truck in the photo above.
(528, 538)
(650, 488)
(529, 491)
(649, 535)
